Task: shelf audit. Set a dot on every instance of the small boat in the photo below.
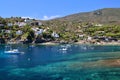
(12, 51)
(63, 49)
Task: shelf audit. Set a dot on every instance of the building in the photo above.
(40, 31)
(35, 23)
(19, 32)
(37, 31)
(28, 20)
(21, 24)
(8, 31)
(1, 24)
(89, 38)
(55, 35)
(99, 25)
(9, 24)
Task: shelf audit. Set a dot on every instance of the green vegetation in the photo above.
(100, 23)
(106, 30)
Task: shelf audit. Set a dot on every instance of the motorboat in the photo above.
(12, 51)
(63, 49)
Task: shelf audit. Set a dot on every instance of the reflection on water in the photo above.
(61, 62)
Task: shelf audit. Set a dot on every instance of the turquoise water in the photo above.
(61, 62)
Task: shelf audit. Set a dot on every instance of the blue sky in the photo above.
(47, 9)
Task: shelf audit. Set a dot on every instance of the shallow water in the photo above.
(61, 62)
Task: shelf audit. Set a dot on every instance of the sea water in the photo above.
(60, 62)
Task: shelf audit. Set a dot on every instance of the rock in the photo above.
(2, 41)
(39, 40)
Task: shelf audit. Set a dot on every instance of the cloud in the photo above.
(50, 17)
(27, 17)
(44, 17)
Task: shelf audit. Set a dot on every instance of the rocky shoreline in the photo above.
(99, 43)
(81, 42)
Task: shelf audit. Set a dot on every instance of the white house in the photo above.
(35, 29)
(99, 25)
(7, 31)
(35, 23)
(89, 38)
(81, 35)
(22, 24)
(19, 32)
(55, 35)
(9, 24)
(28, 20)
(40, 31)
(39, 23)
(1, 25)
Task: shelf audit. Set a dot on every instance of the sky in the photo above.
(49, 9)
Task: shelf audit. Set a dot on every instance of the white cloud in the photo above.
(44, 17)
(28, 17)
(50, 17)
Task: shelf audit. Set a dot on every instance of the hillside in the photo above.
(96, 26)
(102, 23)
(106, 15)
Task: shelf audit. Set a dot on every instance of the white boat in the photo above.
(64, 49)
(12, 51)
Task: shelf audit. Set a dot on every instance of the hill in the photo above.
(102, 23)
(106, 15)
(95, 26)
